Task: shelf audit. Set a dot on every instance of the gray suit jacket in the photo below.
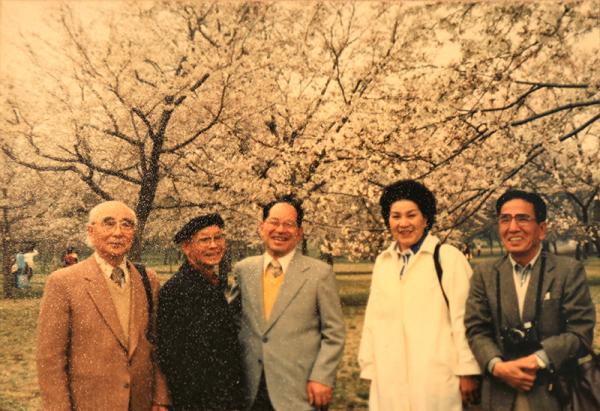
(304, 336)
(567, 318)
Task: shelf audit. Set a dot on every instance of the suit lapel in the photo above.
(97, 289)
(254, 288)
(138, 320)
(508, 295)
(530, 297)
(293, 281)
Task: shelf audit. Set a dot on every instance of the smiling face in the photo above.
(112, 230)
(205, 249)
(280, 231)
(521, 234)
(407, 223)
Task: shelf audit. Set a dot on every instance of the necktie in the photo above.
(271, 285)
(118, 276)
(275, 268)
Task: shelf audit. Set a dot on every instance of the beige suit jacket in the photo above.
(82, 360)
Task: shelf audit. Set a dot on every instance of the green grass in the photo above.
(18, 382)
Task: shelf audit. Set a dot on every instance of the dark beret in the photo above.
(196, 224)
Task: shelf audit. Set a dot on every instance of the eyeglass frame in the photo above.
(275, 223)
(520, 219)
(207, 240)
(110, 224)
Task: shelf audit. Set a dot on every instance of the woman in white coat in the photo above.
(413, 346)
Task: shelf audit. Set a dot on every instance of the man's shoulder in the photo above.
(72, 271)
(563, 263)
(248, 262)
(314, 263)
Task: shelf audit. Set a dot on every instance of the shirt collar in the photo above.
(530, 264)
(107, 269)
(395, 249)
(284, 261)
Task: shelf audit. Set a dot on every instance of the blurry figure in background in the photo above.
(23, 268)
(467, 252)
(70, 257)
(413, 347)
(198, 348)
(19, 269)
(478, 249)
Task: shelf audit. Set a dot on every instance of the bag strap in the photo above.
(439, 270)
(148, 288)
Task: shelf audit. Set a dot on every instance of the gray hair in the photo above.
(95, 212)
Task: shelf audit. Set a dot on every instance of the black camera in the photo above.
(520, 341)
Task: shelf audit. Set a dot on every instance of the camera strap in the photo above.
(538, 294)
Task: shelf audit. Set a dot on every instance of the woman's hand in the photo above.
(469, 389)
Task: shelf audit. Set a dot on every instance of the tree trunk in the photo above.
(8, 284)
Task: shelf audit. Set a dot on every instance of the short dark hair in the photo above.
(288, 199)
(408, 190)
(539, 205)
(196, 224)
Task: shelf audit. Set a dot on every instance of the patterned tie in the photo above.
(118, 276)
(275, 268)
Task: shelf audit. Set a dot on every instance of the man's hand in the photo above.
(469, 389)
(519, 373)
(319, 394)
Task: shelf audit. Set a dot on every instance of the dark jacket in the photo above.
(198, 349)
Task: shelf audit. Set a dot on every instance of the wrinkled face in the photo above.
(407, 223)
(279, 231)
(112, 231)
(206, 248)
(520, 233)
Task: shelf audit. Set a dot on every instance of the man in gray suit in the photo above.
(292, 328)
(529, 315)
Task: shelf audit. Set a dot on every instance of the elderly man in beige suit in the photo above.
(93, 348)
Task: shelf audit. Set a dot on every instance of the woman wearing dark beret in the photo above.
(413, 346)
(198, 349)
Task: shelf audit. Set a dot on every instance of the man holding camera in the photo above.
(528, 315)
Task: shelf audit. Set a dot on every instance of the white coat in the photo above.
(413, 348)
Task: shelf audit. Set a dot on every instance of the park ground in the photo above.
(18, 382)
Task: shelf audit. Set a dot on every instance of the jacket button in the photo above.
(265, 339)
(260, 361)
(126, 385)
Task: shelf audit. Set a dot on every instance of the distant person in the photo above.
(198, 348)
(70, 257)
(95, 333)
(467, 252)
(413, 347)
(544, 316)
(292, 327)
(478, 250)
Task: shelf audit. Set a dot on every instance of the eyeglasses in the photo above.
(204, 241)
(288, 225)
(111, 224)
(520, 219)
